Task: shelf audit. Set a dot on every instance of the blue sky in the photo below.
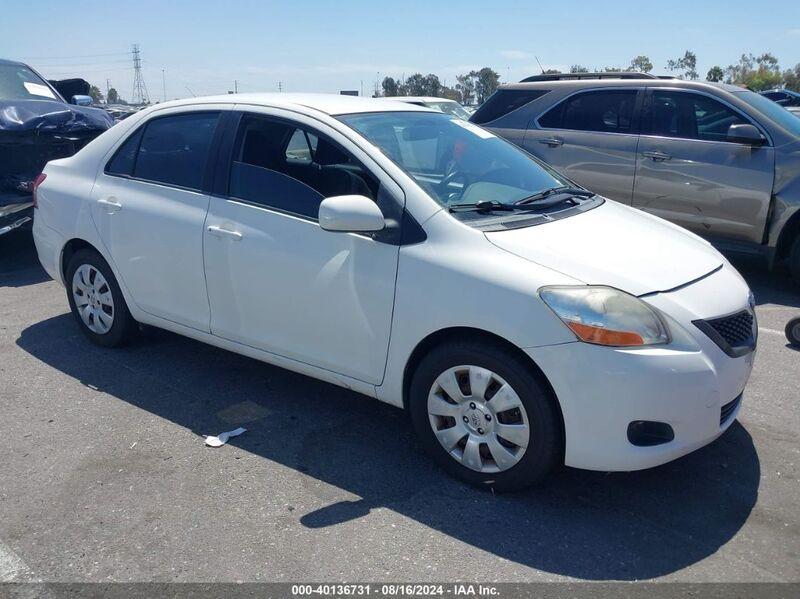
(321, 46)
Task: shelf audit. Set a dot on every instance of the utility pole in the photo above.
(280, 86)
(362, 87)
(235, 86)
(164, 82)
(108, 89)
(139, 95)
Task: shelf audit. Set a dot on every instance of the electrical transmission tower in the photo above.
(139, 95)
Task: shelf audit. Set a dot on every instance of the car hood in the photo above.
(615, 245)
(51, 116)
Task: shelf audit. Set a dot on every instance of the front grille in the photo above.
(734, 334)
(735, 329)
(728, 409)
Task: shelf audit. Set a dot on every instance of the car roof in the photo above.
(417, 99)
(331, 104)
(595, 83)
(6, 62)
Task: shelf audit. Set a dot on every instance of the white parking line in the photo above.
(11, 566)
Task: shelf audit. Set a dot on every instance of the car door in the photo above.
(591, 137)
(149, 206)
(276, 280)
(689, 172)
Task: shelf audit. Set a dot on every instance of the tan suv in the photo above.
(719, 160)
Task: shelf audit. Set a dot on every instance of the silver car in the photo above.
(719, 160)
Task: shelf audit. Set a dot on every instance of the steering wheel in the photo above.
(444, 185)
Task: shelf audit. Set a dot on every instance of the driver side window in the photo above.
(278, 164)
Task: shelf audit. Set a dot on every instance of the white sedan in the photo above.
(523, 321)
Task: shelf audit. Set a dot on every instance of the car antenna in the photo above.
(194, 95)
(540, 64)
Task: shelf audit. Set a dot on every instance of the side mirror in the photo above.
(82, 100)
(353, 214)
(746, 134)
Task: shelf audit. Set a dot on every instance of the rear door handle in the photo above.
(552, 141)
(220, 232)
(110, 204)
(656, 156)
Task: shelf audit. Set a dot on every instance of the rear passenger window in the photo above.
(503, 101)
(174, 149)
(604, 111)
(690, 116)
(279, 165)
(123, 161)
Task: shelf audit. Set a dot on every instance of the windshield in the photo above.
(453, 160)
(451, 107)
(772, 110)
(18, 82)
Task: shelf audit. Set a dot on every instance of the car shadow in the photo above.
(587, 525)
(19, 264)
(775, 287)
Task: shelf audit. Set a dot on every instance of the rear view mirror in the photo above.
(350, 214)
(746, 134)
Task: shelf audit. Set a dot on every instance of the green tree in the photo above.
(486, 82)
(414, 85)
(95, 93)
(552, 72)
(113, 96)
(791, 78)
(433, 87)
(715, 74)
(641, 64)
(686, 63)
(755, 72)
(390, 87)
(465, 86)
(576, 68)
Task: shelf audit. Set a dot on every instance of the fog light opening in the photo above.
(646, 433)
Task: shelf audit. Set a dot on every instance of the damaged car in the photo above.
(37, 125)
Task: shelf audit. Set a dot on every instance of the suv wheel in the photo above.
(484, 416)
(96, 300)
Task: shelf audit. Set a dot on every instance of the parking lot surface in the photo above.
(105, 477)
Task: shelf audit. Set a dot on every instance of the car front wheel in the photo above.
(485, 416)
(96, 300)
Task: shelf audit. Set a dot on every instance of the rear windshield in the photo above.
(18, 82)
(503, 101)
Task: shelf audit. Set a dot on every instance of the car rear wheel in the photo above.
(96, 300)
(793, 331)
(485, 416)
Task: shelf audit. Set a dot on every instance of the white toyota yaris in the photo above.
(412, 257)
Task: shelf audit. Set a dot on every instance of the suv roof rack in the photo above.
(575, 76)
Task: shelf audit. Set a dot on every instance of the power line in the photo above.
(71, 57)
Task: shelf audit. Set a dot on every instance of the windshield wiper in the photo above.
(565, 190)
(491, 206)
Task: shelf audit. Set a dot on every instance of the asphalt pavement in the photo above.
(104, 475)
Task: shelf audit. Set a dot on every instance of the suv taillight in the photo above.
(35, 185)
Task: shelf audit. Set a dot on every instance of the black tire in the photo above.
(794, 260)
(123, 327)
(793, 331)
(545, 448)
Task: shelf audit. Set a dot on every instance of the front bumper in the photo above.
(684, 384)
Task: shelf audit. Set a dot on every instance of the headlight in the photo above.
(606, 316)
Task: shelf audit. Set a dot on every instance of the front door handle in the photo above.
(220, 232)
(552, 141)
(110, 204)
(656, 156)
